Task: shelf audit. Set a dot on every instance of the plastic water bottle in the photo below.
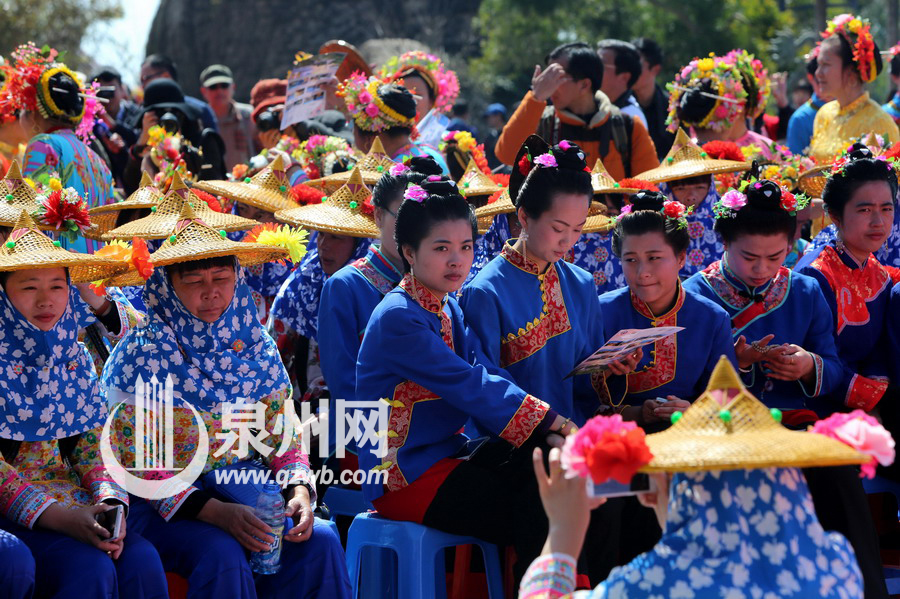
(269, 509)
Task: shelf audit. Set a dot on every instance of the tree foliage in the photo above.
(59, 23)
(517, 34)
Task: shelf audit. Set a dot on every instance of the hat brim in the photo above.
(247, 193)
(676, 451)
(503, 205)
(83, 268)
(813, 181)
(247, 254)
(160, 227)
(330, 219)
(692, 168)
(335, 181)
(218, 79)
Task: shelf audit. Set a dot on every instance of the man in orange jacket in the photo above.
(580, 113)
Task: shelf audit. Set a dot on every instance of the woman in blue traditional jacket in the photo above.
(418, 358)
(537, 316)
(791, 363)
(860, 198)
(351, 294)
(779, 319)
(651, 239)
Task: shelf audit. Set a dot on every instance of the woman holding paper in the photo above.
(651, 239)
(536, 315)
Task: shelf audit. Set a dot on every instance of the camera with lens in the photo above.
(268, 120)
(168, 120)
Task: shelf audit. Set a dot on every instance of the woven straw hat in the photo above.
(146, 196)
(813, 181)
(26, 247)
(687, 159)
(602, 181)
(341, 213)
(167, 212)
(18, 196)
(475, 183)
(598, 220)
(371, 166)
(192, 239)
(729, 429)
(269, 189)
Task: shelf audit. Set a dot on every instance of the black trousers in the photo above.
(841, 506)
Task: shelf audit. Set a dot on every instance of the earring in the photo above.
(838, 241)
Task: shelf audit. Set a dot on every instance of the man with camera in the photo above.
(235, 122)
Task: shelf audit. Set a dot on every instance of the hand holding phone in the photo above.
(111, 520)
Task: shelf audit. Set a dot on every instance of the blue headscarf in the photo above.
(888, 254)
(297, 302)
(48, 385)
(741, 533)
(706, 246)
(211, 363)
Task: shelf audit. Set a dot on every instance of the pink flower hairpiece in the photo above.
(399, 169)
(864, 434)
(565, 145)
(434, 178)
(605, 448)
(547, 160)
(415, 193)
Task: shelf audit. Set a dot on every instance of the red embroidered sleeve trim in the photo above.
(662, 366)
(406, 395)
(525, 420)
(853, 287)
(553, 321)
(864, 393)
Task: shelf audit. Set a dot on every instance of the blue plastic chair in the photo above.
(345, 502)
(420, 556)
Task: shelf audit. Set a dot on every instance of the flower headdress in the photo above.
(727, 90)
(291, 239)
(670, 209)
(368, 110)
(443, 80)
(864, 434)
(754, 76)
(166, 152)
(735, 199)
(466, 146)
(136, 255)
(28, 87)
(64, 209)
(858, 33)
(320, 154)
(859, 151)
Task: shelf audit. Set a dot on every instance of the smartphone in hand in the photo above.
(640, 483)
(111, 520)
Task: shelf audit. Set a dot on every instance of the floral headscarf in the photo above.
(705, 246)
(210, 363)
(741, 533)
(48, 385)
(297, 304)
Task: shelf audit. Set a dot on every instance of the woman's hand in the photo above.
(791, 363)
(654, 411)
(148, 120)
(750, 354)
(566, 504)
(627, 364)
(81, 524)
(239, 521)
(269, 139)
(299, 509)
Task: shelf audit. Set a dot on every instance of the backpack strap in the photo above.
(622, 128)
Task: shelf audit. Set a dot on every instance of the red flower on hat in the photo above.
(367, 207)
(140, 258)
(209, 199)
(618, 456)
(306, 195)
(723, 150)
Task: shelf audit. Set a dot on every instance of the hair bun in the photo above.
(439, 186)
(425, 165)
(647, 200)
(764, 195)
(399, 98)
(569, 156)
(859, 151)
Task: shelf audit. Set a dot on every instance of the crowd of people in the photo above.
(390, 252)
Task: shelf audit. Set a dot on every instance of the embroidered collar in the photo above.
(422, 294)
(744, 290)
(521, 261)
(847, 258)
(854, 105)
(384, 266)
(644, 310)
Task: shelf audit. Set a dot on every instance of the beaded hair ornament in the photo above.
(444, 81)
(727, 90)
(368, 110)
(672, 210)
